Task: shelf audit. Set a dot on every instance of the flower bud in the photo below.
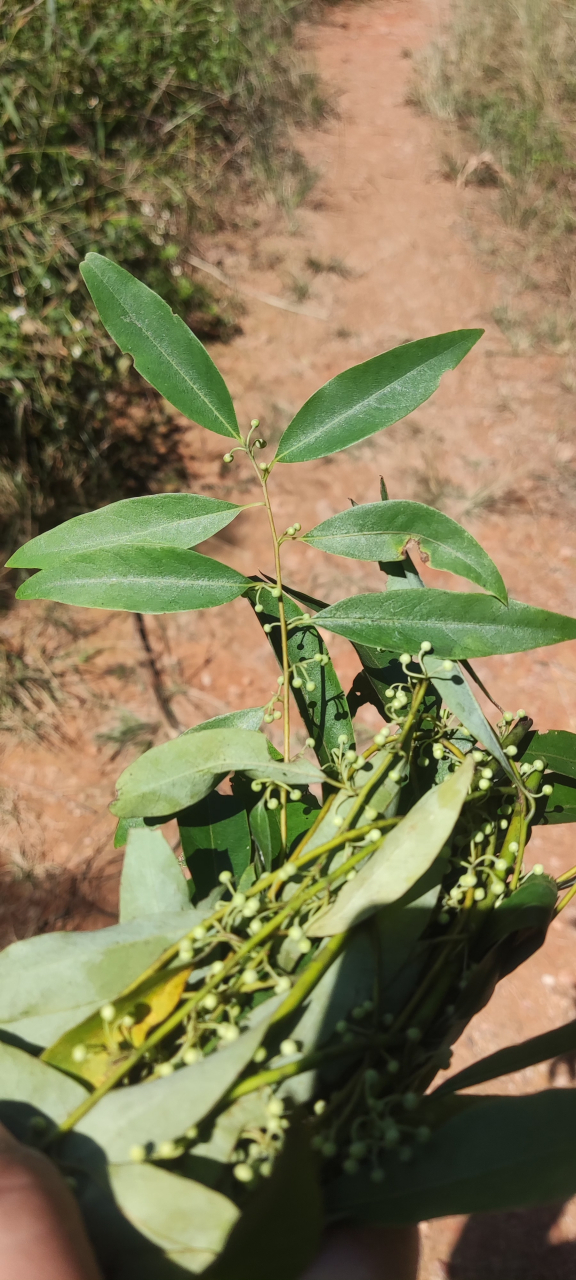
(260, 1055)
(425, 646)
(209, 1002)
(198, 932)
(164, 1069)
(297, 682)
(272, 803)
(243, 1172)
(319, 1107)
(447, 665)
(288, 1048)
(267, 628)
(276, 592)
(190, 1056)
(413, 1034)
(538, 869)
(227, 1031)
(228, 457)
(296, 794)
(310, 686)
(256, 786)
(137, 1153)
(297, 526)
(484, 784)
(226, 876)
(167, 1150)
(108, 1012)
(258, 608)
(310, 742)
(513, 846)
(275, 1107)
(547, 789)
(79, 1053)
(511, 751)
(537, 764)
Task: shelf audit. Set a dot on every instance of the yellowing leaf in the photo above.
(90, 1050)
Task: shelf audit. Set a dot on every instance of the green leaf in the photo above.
(161, 1110)
(324, 709)
(185, 1218)
(215, 837)
(164, 349)
(149, 1003)
(279, 1231)
(247, 718)
(372, 395)
(497, 1154)
(529, 907)
(50, 983)
(401, 858)
(27, 1080)
(460, 699)
(561, 805)
(123, 827)
(515, 1057)
(152, 880)
(265, 828)
(159, 519)
(458, 624)
(557, 748)
(139, 579)
(382, 530)
(181, 772)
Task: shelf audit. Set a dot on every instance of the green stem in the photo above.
(368, 788)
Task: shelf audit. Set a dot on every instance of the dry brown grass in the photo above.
(504, 72)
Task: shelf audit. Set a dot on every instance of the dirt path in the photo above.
(494, 448)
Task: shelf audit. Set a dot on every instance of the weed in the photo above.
(121, 144)
(129, 732)
(334, 265)
(505, 71)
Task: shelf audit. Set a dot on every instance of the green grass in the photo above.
(121, 126)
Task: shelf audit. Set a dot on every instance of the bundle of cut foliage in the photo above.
(249, 1053)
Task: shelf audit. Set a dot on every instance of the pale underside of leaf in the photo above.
(151, 879)
(181, 772)
(401, 858)
(161, 1110)
(189, 1221)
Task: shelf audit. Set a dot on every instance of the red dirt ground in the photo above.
(494, 447)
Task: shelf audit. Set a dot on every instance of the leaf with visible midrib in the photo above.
(159, 519)
(515, 1057)
(382, 530)
(457, 624)
(401, 858)
(496, 1154)
(165, 350)
(372, 395)
(181, 772)
(558, 749)
(137, 579)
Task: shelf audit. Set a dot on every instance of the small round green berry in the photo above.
(108, 1012)
(290, 531)
(254, 422)
(503, 824)
(277, 715)
(191, 1132)
(547, 789)
(513, 846)
(425, 647)
(304, 946)
(310, 742)
(297, 682)
(413, 1034)
(210, 1002)
(164, 1068)
(190, 1056)
(479, 894)
(438, 751)
(267, 628)
(257, 786)
(79, 1053)
(538, 869)
(283, 985)
(342, 739)
(511, 751)
(329, 1149)
(296, 794)
(521, 714)
(167, 1150)
(258, 608)
(288, 1048)
(243, 1172)
(297, 526)
(447, 665)
(478, 756)
(320, 1107)
(484, 784)
(276, 592)
(392, 1066)
(137, 1153)
(410, 1101)
(404, 658)
(198, 932)
(310, 686)
(260, 1055)
(228, 457)
(272, 803)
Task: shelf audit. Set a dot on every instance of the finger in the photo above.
(41, 1230)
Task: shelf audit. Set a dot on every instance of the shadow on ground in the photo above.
(513, 1246)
